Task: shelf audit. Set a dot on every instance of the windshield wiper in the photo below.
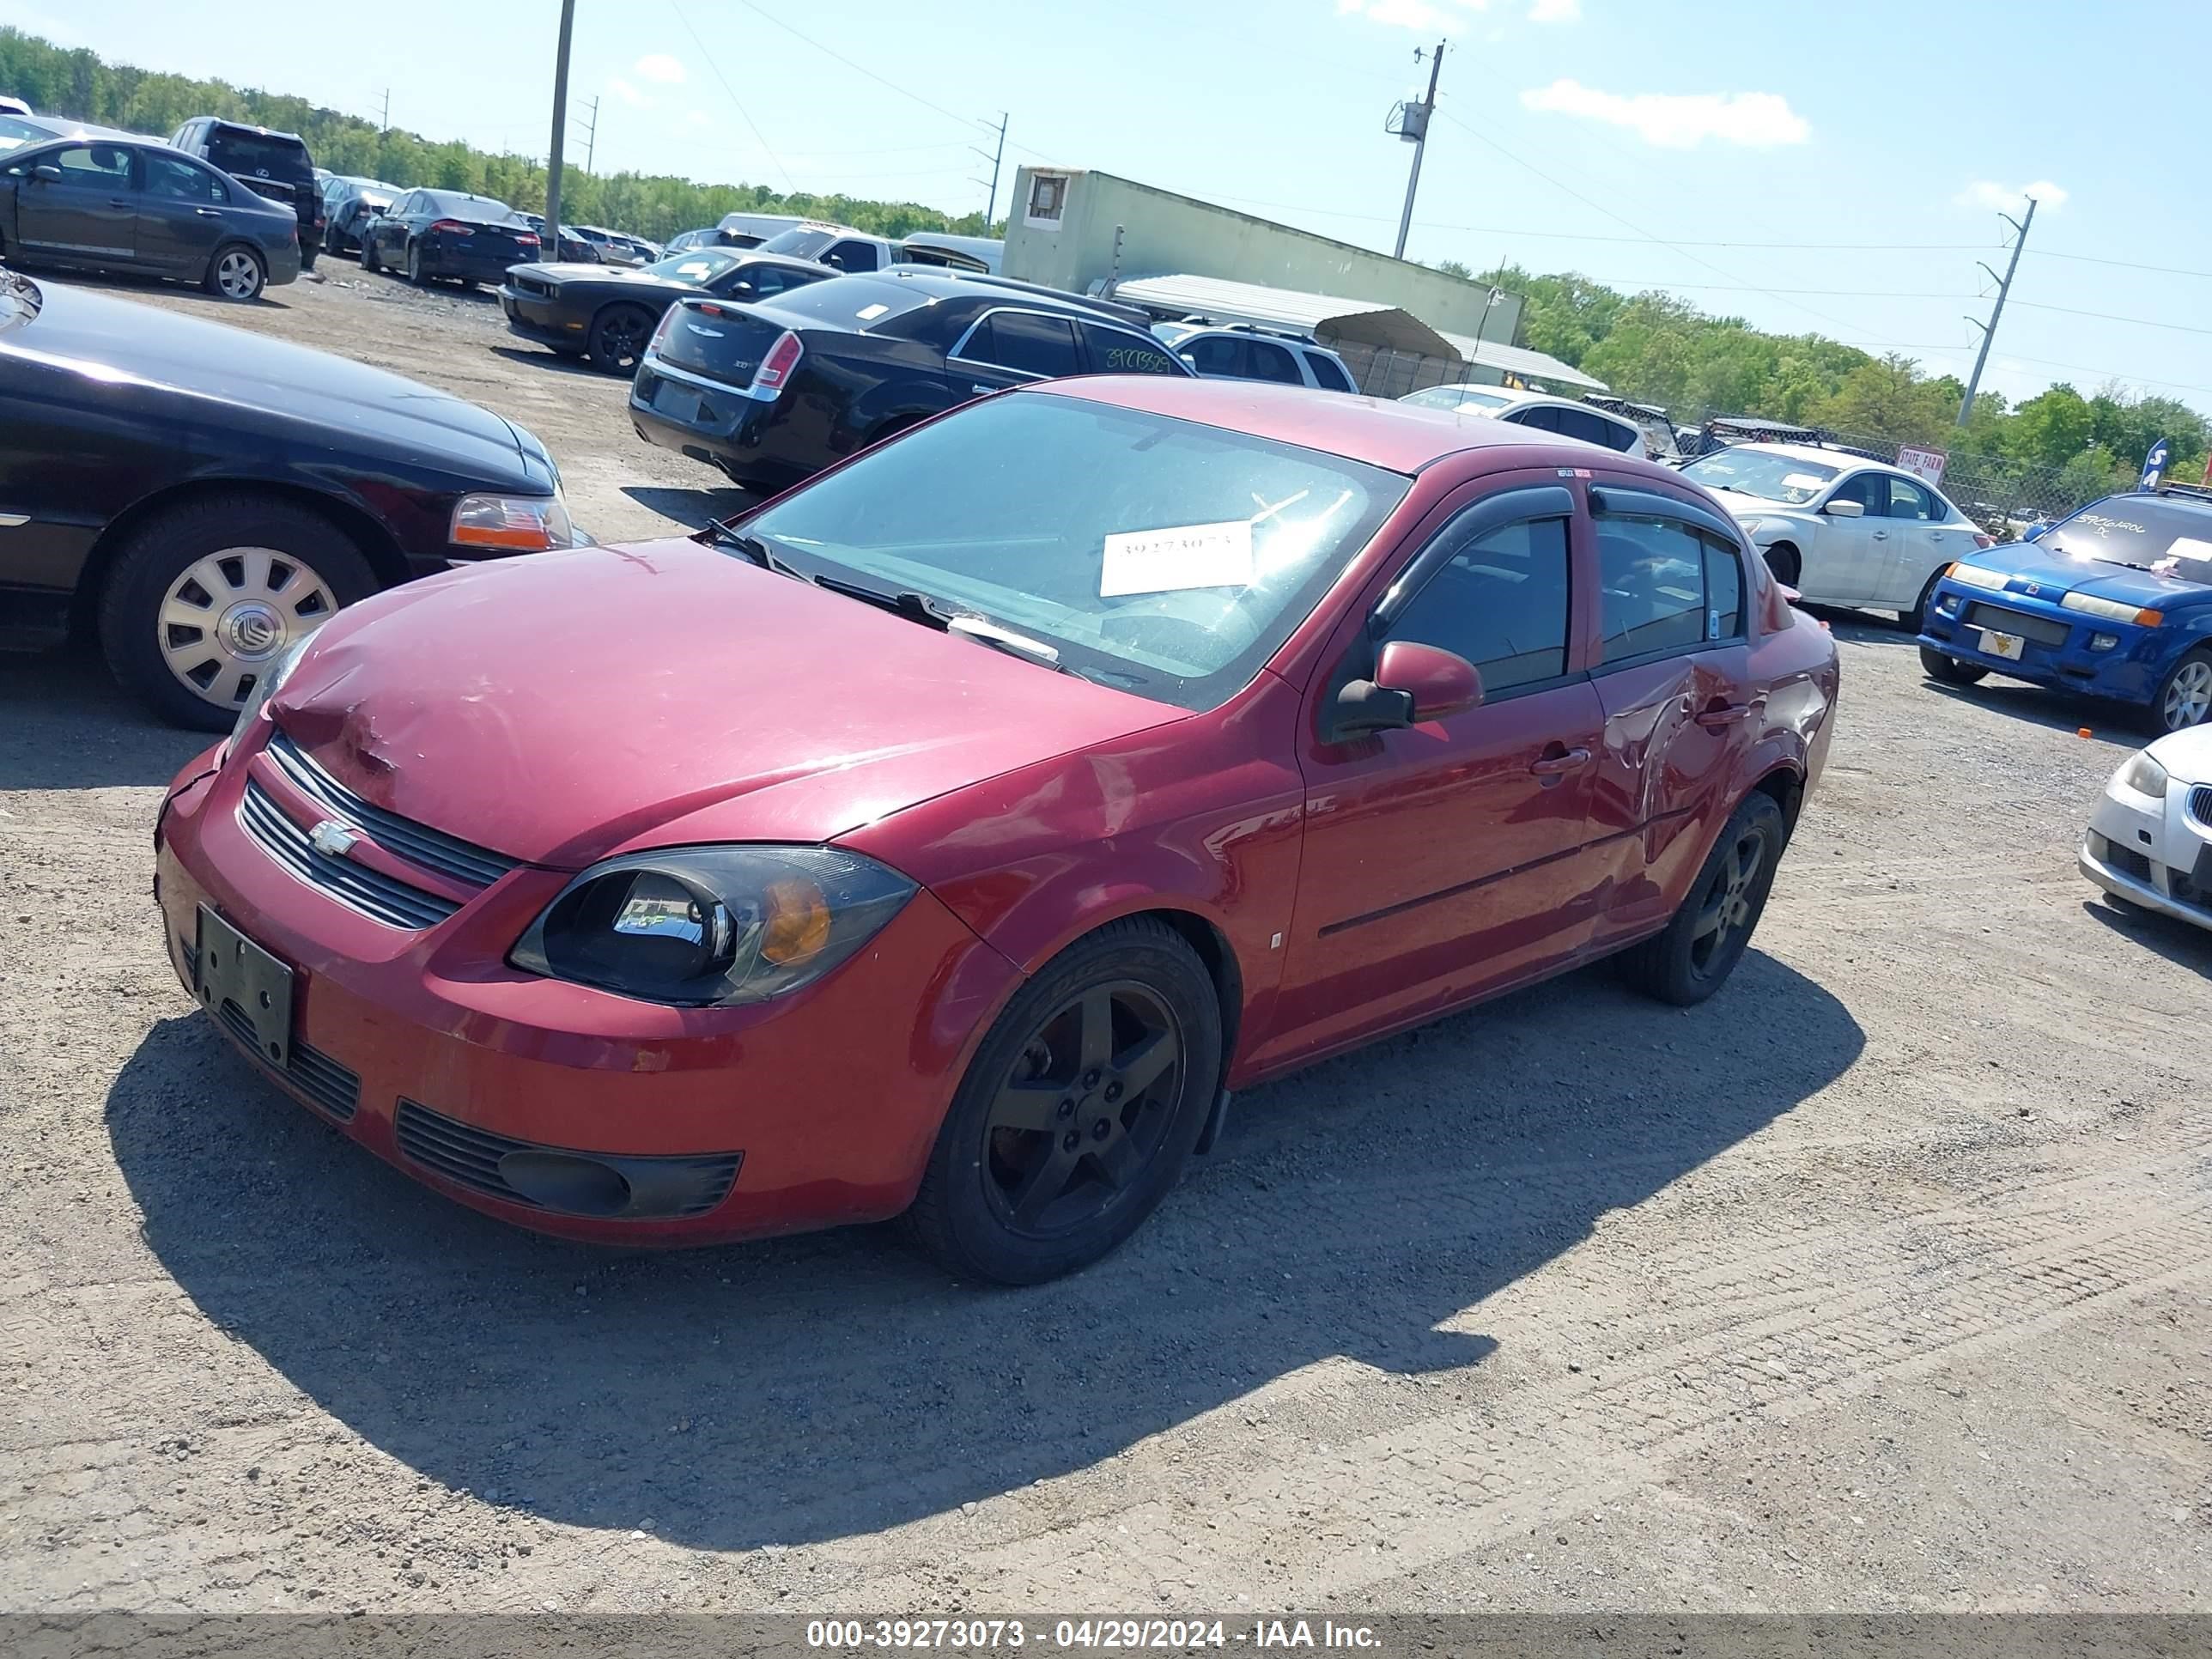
(754, 549)
(1020, 645)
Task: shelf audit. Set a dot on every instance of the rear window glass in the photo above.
(799, 244)
(481, 209)
(1325, 373)
(854, 302)
(259, 154)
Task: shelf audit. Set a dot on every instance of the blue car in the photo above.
(2114, 600)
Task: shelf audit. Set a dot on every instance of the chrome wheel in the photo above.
(238, 275)
(2188, 695)
(233, 613)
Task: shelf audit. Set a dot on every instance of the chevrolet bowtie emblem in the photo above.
(333, 839)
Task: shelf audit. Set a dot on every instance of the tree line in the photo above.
(1653, 348)
(81, 86)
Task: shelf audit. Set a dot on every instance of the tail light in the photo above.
(1982, 541)
(775, 372)
(452, 225)
(525, 239)
(667, 322)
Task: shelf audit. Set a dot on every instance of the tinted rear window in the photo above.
(480, 209)
(854, 302)
(799, 244)
(260, 155)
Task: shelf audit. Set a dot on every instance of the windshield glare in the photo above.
(1784, 478)
(1458, 397)
(1157, 556)
(2144, 531)
(699, 265)
(799, 243)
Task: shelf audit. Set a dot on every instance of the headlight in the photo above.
(1975, 575)
(2144, 776)
(2112, 610)
(704, 927)
(512, 524)
(263, 688)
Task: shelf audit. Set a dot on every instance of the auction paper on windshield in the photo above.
(1178, 557)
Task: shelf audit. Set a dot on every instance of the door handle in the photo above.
(1881, 535)
(208, 213)
(118, 201)
(1553, 766)
(1724, 714)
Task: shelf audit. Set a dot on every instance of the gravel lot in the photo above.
(1883, 1281)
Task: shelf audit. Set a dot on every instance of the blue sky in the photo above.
(1626, 139)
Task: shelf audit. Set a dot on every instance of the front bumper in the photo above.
(541, 320)
(2154, 851)
(2056, 649)
(428, 1048)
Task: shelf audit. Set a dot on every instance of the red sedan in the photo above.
(950, 835)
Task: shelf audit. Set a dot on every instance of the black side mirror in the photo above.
(46, 173)
(1413, 684)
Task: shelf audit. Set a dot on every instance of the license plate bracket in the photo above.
(2008, 646)
(678, 402)
(236, 973)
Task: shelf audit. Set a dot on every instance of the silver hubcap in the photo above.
(235, 276)
(233, 613)
(2189, 698)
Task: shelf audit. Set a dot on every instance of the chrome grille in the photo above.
(371, 893)
(2200, 804)
(448, 856)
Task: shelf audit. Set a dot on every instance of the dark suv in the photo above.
(276, 165)
(772, 393)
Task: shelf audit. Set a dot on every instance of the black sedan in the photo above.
(347, 205)
(203, 497)
(610, 313)
(445, 235)
(92, 202)
(772, 393)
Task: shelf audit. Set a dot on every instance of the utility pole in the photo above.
(591, 137)
(1413, 127)
(2004, 287)
(549, 245)
(387, 109)
(990, 207)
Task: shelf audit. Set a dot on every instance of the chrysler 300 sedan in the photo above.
(950, 836)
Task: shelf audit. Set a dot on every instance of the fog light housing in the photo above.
(2103, 641)
(1948, 604)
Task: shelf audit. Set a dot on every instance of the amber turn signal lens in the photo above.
(796, 922)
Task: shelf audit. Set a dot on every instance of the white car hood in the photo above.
(2186, 756)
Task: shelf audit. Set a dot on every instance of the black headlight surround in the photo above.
(715, 926)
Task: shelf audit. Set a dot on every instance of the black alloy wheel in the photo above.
(1694, 955)
(1079, 1110)
(619, 336)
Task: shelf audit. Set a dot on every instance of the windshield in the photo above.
(15, 133)
(1457, 397)
(1757, 472)
(699, 265)
(2148, 533)
(799, 243)
(1157, 556)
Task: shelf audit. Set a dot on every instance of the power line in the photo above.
(2124, 264)
(858, 68)
(2108, 317)
(758, 136)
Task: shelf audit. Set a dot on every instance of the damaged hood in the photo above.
(570, 706)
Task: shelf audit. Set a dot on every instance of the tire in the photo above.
(618, 337)
(236, 273)
(416, 273)
(1022, 1204)
(1913, 618)
(368, 255)
(2185, 695)
(1692, 957)
(1949, 670)
(1783, 561)
(225, 556)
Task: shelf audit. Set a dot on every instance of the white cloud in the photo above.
(629, 93)
(660, 66)
(1757, 120)
(2004, 199)
(1556, 11)
(1426, 17)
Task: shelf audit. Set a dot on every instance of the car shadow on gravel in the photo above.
(64, 724)
(132, 286)
(2053, 710)
(553, 363)
(815, 1388)
(2180, 944)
